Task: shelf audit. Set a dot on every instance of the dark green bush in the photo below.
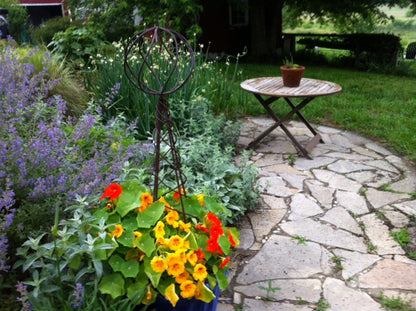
(45, 32)
(382, 49)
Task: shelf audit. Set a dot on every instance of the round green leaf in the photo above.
(113, 285)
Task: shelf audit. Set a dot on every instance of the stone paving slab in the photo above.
(321, 231)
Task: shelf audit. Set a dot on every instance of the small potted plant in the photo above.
(291, 73)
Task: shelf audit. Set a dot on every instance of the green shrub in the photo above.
(77, 45)
(17, 17)
(45, 32)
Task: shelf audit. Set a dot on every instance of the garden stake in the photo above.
(151, 80)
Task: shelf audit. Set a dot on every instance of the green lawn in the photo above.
(376, 105)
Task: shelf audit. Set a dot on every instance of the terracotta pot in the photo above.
(292, 76)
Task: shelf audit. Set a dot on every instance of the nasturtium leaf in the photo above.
(113, 219)
(129, 268)
(146, 244)
(130, 222)
(235, 235)
(192, 241)
(130, 198)
(153, 276)
(136, 291)
(224, 244)
(214, 207)
(100, 214)
(113, 285)
(222, 278)
(193, 207)
(150, 215)
(127, 238)
(206, 295)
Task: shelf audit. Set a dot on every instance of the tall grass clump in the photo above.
(106, 78)
(48, 158)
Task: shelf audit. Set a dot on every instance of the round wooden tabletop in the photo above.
(273, 86)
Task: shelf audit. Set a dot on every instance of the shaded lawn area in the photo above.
(375, 105)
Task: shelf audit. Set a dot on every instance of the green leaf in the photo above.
(75, 262)
(146, 244)
(225, 244)
(129, 268)
(127, 238)
(130, 222)
(150, 215)
(130, 198)
(193, 207)
(206, 294)
(192, 241)
(136, 291)
(222, 278)
(113, 285)
(153, 276)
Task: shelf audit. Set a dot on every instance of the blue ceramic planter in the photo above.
(162, 304)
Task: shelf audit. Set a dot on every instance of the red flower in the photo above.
(216, 231)
(201, 228)
(113, 192)
(200, 254)
(225, 262)
(213, 246)
(213, 220)
(230, 237)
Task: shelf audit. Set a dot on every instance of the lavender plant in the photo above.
(47, 158)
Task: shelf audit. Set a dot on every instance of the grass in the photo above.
(380, 106)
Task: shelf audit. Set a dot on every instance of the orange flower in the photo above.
(168, 207)
(182, 277)
(118, 231)
(147, 199)
(175, 265)
(188, 289)
(172, 219)
(113, 192)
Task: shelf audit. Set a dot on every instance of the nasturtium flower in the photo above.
(200, 272)
(176, 242)
(213, 246)
(184, 276)
(200, 254)
(200, 198)
(159, 264)
(213, 220)
(185, 226)
(118, 231)
(188, 289)
(112, 192)
(147, 200)
(172, 218)
(225, 262)
(216, 231)
(192, 258)
(168, 207)
(171, 295)
(176, 265)
(159, 230)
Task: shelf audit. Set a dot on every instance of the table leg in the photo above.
(280, 122)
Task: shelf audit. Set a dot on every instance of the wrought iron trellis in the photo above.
(159, 61)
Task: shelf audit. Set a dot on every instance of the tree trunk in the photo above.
(265, 27)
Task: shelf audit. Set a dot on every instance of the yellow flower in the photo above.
(176, 265)
(171, 295)
(200, 198)
(159, 230)
(159, 264)
(188, 289)
(175, 242)
(182, 277)
(200, 272)
(118, 231)
(168, 207)
(192, 258)
(137, 234)
(184, 226)
(172, 219)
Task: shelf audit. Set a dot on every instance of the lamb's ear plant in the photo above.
(66, 265)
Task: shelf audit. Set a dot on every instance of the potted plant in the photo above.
(131, 250)
(291, 73)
